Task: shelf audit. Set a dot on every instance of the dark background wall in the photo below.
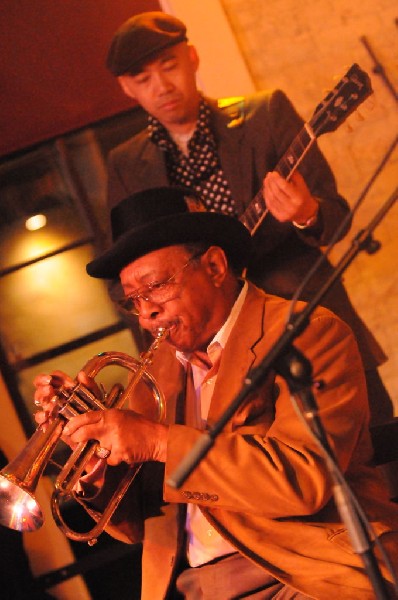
(52, 73)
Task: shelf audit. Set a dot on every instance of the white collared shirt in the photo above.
(204, 542)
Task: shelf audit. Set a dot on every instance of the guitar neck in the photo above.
(296, 152)
(256, 211)
(337, 105)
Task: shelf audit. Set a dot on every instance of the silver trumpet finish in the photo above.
(19, 508)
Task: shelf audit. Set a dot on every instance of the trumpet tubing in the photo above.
(19, 508)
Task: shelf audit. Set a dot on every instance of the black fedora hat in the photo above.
(160, 217)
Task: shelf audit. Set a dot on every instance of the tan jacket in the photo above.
(265, 485)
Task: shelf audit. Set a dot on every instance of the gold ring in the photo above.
(102, 452)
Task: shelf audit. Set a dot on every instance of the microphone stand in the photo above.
(279, 357)
(296, 369)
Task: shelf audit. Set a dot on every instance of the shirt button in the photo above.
(210, 532)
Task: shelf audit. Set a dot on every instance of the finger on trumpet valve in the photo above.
(56, 381)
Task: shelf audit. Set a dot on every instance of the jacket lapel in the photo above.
(151, 167)
(239, 354)
(235, 162)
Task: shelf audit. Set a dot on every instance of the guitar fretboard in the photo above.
(351, 90)
(256, 211)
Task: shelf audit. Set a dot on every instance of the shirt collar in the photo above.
(159, 135)
(223, 334)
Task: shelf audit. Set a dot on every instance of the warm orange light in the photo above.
(36, 222)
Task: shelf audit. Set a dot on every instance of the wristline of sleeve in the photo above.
(310, 222)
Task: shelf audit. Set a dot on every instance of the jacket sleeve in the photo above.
(277, 469)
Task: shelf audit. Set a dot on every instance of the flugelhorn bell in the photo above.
(19, 508)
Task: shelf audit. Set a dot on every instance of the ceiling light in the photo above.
(35, 222)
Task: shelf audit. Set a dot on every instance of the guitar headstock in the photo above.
(348, 94)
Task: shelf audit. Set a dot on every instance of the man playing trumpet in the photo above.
(256, 518)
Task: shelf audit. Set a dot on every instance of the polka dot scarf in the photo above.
(200, 170)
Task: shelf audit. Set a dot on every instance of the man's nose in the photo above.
(162, 82)
(148, 309)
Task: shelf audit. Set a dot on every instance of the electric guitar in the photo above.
(348, 94)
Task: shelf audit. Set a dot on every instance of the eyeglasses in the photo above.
(157, 292)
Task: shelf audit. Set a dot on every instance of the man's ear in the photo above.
(193, 57)
(124, 84)
(216, 264)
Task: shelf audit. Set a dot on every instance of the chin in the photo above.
(179, 343)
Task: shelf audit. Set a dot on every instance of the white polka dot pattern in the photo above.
(200, 170)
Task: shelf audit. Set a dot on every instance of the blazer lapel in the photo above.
(239, 354)
(235, 161)
(151, 167)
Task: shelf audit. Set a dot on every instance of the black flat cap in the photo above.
(165, 216)
(141, 38)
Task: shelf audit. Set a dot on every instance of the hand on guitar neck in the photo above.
(290, 200)
(284, 193)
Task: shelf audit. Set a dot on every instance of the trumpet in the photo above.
(19, 508)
